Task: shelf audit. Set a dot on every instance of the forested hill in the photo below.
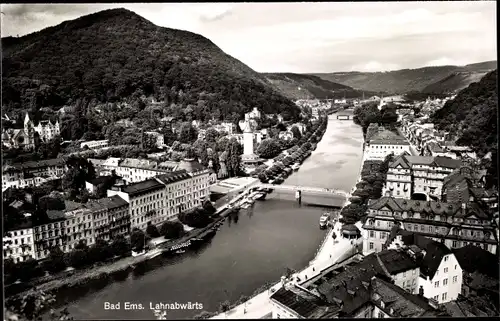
(473, 116)
(408, 80)
(303, 86)
(116, 55)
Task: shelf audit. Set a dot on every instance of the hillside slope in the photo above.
(473, 116)
(116, 55)
(454, 82)
(300, 86)
(407, 80)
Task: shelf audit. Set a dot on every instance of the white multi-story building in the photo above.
(18, 244)
(45, 128)
(440, 276)
(385, 143)
(132, 170)
(423, 175)
(95, 144)
(163, 197)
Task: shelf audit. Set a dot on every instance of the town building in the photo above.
(32, 173)
(93, 144)
(18, 244)
(130, 169)
(50, 234)
(375, 286)
(440, 276)
(453, 223)
(418, 176)
(480, 272)
(78, 225)
(111, 217)
(384, 143)
(45, 128)
(254, 114)
(162, 198)
(159, 138)
(18, 139)
(249, 158)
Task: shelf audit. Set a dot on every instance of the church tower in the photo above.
(247, 139)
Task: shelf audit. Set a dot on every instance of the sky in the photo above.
(309, 37)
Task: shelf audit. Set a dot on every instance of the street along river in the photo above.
(249, 250)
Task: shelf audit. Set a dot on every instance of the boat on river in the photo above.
(260, 196)
(324, 220)
(180, 251)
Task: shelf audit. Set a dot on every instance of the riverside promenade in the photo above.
(330, 252)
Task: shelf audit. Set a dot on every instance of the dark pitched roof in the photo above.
(427, 207)
(112, 202)
(100, 180)
(304, 303)
(473, 258)
(172, 177)
(397, 261)
(143, 187)
(190, 166)
(447, 162)
(454, 179)
(402, 303)
(434, 252)
(38, 164)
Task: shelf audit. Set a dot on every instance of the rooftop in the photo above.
(387, 137)
(399, 205)
(112, 202)
(173, 177)
(143, 187)
(473, 258)
(304, 303)
(190, 166)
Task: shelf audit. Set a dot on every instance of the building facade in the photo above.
(19, 244)
(384, 143)
(452, 223)
(95, 144)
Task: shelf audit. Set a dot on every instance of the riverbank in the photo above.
(330, 252)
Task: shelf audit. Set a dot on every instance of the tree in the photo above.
(120, 246)
(211, 136)
(55, 261)
(28, 269)
(268, 148)
(100, 251)
(224, 306)
(296, 132)
(172, 229)
(208, 207)
(79, 257)
(152, 231)
(187, 133)
(137, 240)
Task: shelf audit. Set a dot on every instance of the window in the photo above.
(436, 284)
(380, 315)
(414, 282)
(443, 297)
(404, 283)
(372, 234)
(445, 270)
(371, 245)
(445, 282)
(455, 266)
(454, 244)
(446, 258)
(436, 297)
(455, 279)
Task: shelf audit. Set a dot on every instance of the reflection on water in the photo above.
(254, 247)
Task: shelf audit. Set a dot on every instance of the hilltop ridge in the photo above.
(116, 55)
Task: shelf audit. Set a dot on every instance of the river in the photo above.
(246, 252)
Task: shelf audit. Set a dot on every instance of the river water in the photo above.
(246, 252)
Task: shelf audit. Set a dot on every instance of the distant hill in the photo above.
(408, 80)
(454, 82)
(301, 86)
(116, 55)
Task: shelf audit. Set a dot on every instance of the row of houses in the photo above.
(411, 277)
(136, 205)
(32, 173)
